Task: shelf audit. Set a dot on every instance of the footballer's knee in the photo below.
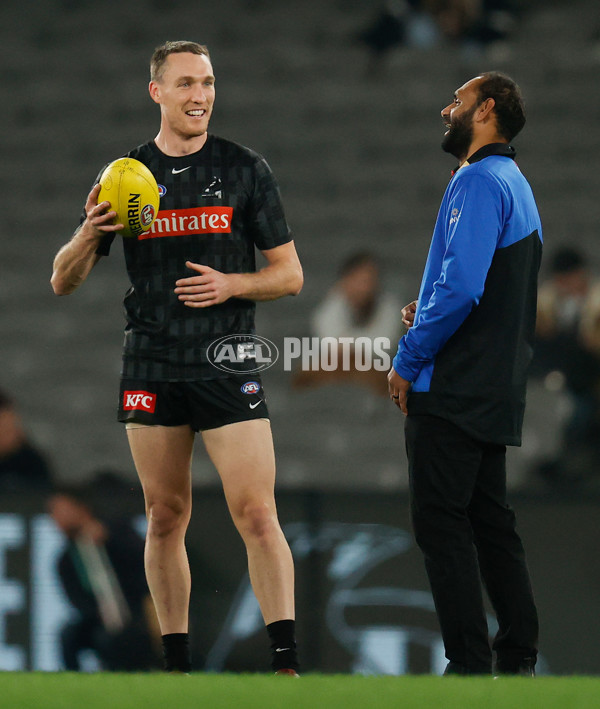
(166, 517)
(256, 521)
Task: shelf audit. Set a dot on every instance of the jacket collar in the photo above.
(503, 149)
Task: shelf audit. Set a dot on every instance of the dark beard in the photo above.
(460, 136)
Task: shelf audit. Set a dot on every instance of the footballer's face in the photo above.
(458, 119)
(186, 93)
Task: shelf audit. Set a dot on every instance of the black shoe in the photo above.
(524, 668)
(455, 668)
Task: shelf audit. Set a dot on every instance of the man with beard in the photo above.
(459, 376)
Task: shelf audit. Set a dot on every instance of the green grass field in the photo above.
(22, 690)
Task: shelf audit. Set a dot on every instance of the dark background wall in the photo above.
(363, 603)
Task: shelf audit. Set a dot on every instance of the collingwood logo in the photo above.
(214, 190)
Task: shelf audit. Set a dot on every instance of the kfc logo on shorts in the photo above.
(250, 388)
(139, 401)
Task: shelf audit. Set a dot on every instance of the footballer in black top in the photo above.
(216, 206)
(194, 280)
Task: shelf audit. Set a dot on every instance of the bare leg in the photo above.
(244, 458)
(162, 456)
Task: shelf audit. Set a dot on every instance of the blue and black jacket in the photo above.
(469, 349)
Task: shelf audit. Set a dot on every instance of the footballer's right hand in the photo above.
(408, 314)
(99, 216)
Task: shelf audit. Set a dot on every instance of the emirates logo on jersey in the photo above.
(197, 220)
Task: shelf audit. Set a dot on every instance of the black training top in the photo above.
(216, 206)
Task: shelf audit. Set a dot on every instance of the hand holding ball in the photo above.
(132, 191)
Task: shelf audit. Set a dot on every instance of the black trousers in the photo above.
(467, 534)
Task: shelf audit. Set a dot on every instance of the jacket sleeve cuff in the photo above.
(408, 373)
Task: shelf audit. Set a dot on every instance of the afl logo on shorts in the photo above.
(250, 388)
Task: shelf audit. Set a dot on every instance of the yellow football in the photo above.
(132, 191)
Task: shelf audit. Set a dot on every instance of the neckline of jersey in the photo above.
(177, 158)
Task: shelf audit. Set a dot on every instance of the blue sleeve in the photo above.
(470, 227)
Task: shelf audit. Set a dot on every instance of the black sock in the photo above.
(176, 652)
(283, 645)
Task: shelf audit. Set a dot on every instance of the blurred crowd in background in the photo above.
(475, 25)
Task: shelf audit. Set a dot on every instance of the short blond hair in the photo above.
(157, 63)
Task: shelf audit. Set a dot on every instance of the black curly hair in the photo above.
(509, 108)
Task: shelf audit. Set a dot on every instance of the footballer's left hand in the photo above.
(208, 288)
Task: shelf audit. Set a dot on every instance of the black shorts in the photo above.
(201, 404)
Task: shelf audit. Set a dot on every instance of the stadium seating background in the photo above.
(359, 164)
